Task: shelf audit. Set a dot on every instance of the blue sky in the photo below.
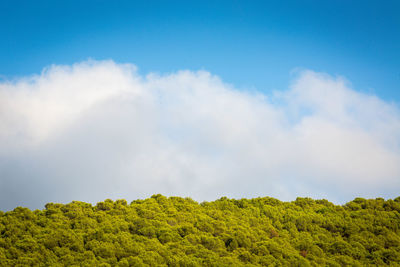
(251, 44)
(230, 98)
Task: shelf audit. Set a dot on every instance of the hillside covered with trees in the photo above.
(161, 231)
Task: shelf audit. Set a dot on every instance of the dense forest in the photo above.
(175, 231)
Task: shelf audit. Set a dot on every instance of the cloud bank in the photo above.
(98, 129)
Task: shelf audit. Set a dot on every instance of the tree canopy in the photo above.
(174, 231)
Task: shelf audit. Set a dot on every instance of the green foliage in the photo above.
(174, 231)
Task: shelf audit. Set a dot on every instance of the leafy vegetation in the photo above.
(181, 232)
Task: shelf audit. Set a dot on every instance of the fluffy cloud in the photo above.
(99, 130)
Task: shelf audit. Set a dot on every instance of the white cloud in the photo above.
(96, 130)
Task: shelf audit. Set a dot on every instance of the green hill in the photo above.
(181, 232)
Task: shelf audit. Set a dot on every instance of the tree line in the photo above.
(174, 231)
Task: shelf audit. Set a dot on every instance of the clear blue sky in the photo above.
(251, 44)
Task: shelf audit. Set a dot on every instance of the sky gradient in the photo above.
(126, 99)
(251, 44)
